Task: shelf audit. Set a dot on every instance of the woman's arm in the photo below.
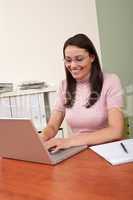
(111, 133)
(53, 125)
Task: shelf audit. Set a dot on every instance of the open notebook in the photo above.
(114, 153)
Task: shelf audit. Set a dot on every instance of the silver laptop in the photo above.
(20, 140)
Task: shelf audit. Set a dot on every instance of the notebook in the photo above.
(20, 140)
(114, 152)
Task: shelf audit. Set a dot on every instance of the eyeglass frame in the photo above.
(75, 60)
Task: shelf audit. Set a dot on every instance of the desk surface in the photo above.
(85, 176)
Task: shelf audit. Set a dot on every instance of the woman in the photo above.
(89, 100)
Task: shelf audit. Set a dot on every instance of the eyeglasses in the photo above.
(77, 60)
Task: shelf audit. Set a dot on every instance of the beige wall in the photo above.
(32, 33)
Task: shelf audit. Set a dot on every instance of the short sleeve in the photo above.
(114, 95)
(60, 98)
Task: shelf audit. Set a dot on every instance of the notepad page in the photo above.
(114, 153)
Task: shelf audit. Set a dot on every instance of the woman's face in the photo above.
(78, 62)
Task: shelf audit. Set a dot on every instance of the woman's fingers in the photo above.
(56, 144)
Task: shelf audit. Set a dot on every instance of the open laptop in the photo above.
(20, 140)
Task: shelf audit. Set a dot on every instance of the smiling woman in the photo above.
(87, 64)
(88, 99)
(78, 62)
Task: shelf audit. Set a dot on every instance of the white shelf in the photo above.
(30, 91)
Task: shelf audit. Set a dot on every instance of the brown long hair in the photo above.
(96, 75)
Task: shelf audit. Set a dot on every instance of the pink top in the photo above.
(82, 119)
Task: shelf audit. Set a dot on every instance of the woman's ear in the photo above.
(92, 57)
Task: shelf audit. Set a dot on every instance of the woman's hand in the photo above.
(58, 143)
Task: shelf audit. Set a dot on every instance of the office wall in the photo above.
(116, 37)
(32, 33)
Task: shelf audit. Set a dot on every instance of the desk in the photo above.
(86, 176)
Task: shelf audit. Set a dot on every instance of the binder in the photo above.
(5, 110)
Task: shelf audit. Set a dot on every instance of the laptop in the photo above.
(20, 140)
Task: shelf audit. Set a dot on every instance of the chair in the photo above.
(126, 128)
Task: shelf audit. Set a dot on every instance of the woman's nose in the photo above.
(73, 64)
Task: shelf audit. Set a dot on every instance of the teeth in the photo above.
(79, 68)
(76, 70)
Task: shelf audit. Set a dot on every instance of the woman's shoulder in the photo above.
(63, 82)
(110, 78)
(111, 81)
(62, 85)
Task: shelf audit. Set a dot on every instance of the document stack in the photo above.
(6, 87)
(33, 85)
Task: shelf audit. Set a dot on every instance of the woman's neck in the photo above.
(84, 80)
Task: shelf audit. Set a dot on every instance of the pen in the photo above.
(123, 147)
